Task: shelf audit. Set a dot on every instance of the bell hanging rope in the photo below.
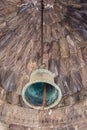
(33, 92)
(41, 92)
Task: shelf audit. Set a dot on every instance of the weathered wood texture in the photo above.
(64, 50)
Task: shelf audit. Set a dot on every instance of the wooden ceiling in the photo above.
(65, 45)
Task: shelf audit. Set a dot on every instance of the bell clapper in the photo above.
(44, 96)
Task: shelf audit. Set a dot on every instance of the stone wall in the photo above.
(72, 117)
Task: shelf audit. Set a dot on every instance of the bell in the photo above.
(41, 80)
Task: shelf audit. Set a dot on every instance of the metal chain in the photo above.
(42, 51)
(42, 46)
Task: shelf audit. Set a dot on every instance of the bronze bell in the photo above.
(33, 92)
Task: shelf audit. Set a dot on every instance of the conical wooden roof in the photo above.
(65, 44)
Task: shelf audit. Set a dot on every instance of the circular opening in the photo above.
(34, 94)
